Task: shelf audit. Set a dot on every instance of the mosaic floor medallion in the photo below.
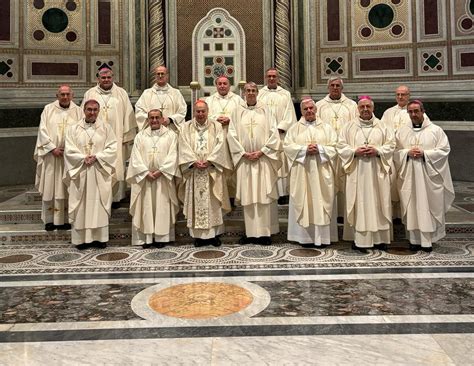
(200, 300)
(16, 258)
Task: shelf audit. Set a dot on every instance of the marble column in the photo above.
(283, 42)
(156, 39)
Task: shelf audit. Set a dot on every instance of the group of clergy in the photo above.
(338, 160)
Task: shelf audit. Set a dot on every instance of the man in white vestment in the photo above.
(279, 101)
(255, 144)
(310, 146)
(117, 111)
(164, 97)
(90, 158)
(204, 165)
(337, 110)
(365, 147)
(49, 151)
(151, 173)
(424, 179)
(221, 105)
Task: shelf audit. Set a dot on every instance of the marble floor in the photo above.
(232, 305)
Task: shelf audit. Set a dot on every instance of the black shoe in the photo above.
(217, 242)
(49, 226)
(397, 221)
(82, 246)
(427, 249)
(115, 205)
(308, 245)
(64, 227)
(265, 240)
(99, 244)
(361, 250)
(146, 246)
(199, 242)
(244, 240)
(158, 244)
(340, 220)
(284, 200)
(414, 248)
(382, 247)
(232, 202)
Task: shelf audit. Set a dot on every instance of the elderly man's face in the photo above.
(366, 110)
(200, 113)
(155, 120)
(416, 113)
(308, 111)
(335, 89)
(64, 96)
(403, 96)
(223, 86)
(251, 95)
(272, 79)
(91, 111)
(106, 80)
(161, 76)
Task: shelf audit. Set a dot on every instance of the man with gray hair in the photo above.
(49, 155)
(254, 143)
(117, 111)
(365, 147)
(310, 146)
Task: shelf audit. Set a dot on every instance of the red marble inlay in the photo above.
(105, 25)
(431, 16)
(333, 20)
(5, 20)
(53, 68)
(382, 63)
(467, 59)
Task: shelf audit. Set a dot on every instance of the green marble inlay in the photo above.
(432, 61)
(55, 20)
(381, 15)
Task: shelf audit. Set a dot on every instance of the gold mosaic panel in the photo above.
(397, 31)
(200, 300)
(57, 41)
(249, 16)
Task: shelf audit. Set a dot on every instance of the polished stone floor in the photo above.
(233, 305)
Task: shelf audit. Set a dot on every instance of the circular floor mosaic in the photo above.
(200, 300)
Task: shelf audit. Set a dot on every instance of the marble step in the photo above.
(32, 215)
(120, 233)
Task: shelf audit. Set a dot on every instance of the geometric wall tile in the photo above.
(333, 24)
(376, 64)
(431, 20)
(8, 68)
(105, 24)
(432, 61)
(381, 22)
(55, 24)
(50, 68)
(334, 64)
(99, 62)
(462, 25)
(463, 58)
(9, 11)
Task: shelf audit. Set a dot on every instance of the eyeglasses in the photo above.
(160, 74)
(402, 94)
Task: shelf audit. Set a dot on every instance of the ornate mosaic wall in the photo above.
(46, 42)
(250, 16)
(380, 40)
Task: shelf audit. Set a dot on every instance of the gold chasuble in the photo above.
(204, 191)
(154, 203)
(90, 187)
(367, 190)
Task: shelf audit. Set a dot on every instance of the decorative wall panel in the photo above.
(382, 64)
(334, 64)
(99, 62)
(431, 20)
(9, 13)
(381, 22)
(333, 25)
(464, 60)
(8, 68)
(463, 19)
(106, 18)
(42, 68)
(432, 61)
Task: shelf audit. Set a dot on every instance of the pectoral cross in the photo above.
(224, 112)
(334, 122)
(151, 155)
(310, 141)
(88, 147)
(250, 127)
(106, 108)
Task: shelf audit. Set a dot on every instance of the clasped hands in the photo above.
(223, 120)
(253, 156)
(58, 152)
(90, 159)
(153, 175)
(201, 164)
(415, 153)
(366, 150)
(312, 149)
